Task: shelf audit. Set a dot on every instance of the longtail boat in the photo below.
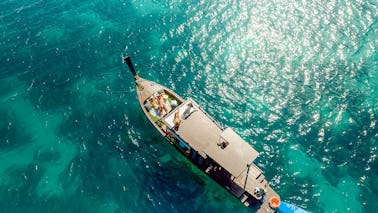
(219, 152)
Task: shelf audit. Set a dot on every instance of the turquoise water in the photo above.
(298, 80)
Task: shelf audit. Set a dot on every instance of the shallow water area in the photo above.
(298, 80)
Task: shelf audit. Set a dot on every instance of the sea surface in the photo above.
(297, 79)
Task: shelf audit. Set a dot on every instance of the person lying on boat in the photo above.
(188, 110)
(161, 111)
(154, 103)
(177, 120)
(162, 104)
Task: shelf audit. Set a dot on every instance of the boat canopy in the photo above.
(231, 152)
(224, 146)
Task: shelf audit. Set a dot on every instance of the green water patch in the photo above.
(44, 147)
(50, 98)
(95, 25)
(98, 122)
(60, 156)
(106, 111)
(109, 206)
(48, 89)
(54, 35)
(102, 179)
(10, 88)
(336, 170)
(150, 7)
(94, 21)
(12, 135)
(17, 186)
(23, 154)
(164, 159)
(300, 165)
(373, 182)
(344, 197)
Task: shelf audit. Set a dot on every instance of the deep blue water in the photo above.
(297, 79)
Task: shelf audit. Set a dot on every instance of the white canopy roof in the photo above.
(235, 156)
(204, 135)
